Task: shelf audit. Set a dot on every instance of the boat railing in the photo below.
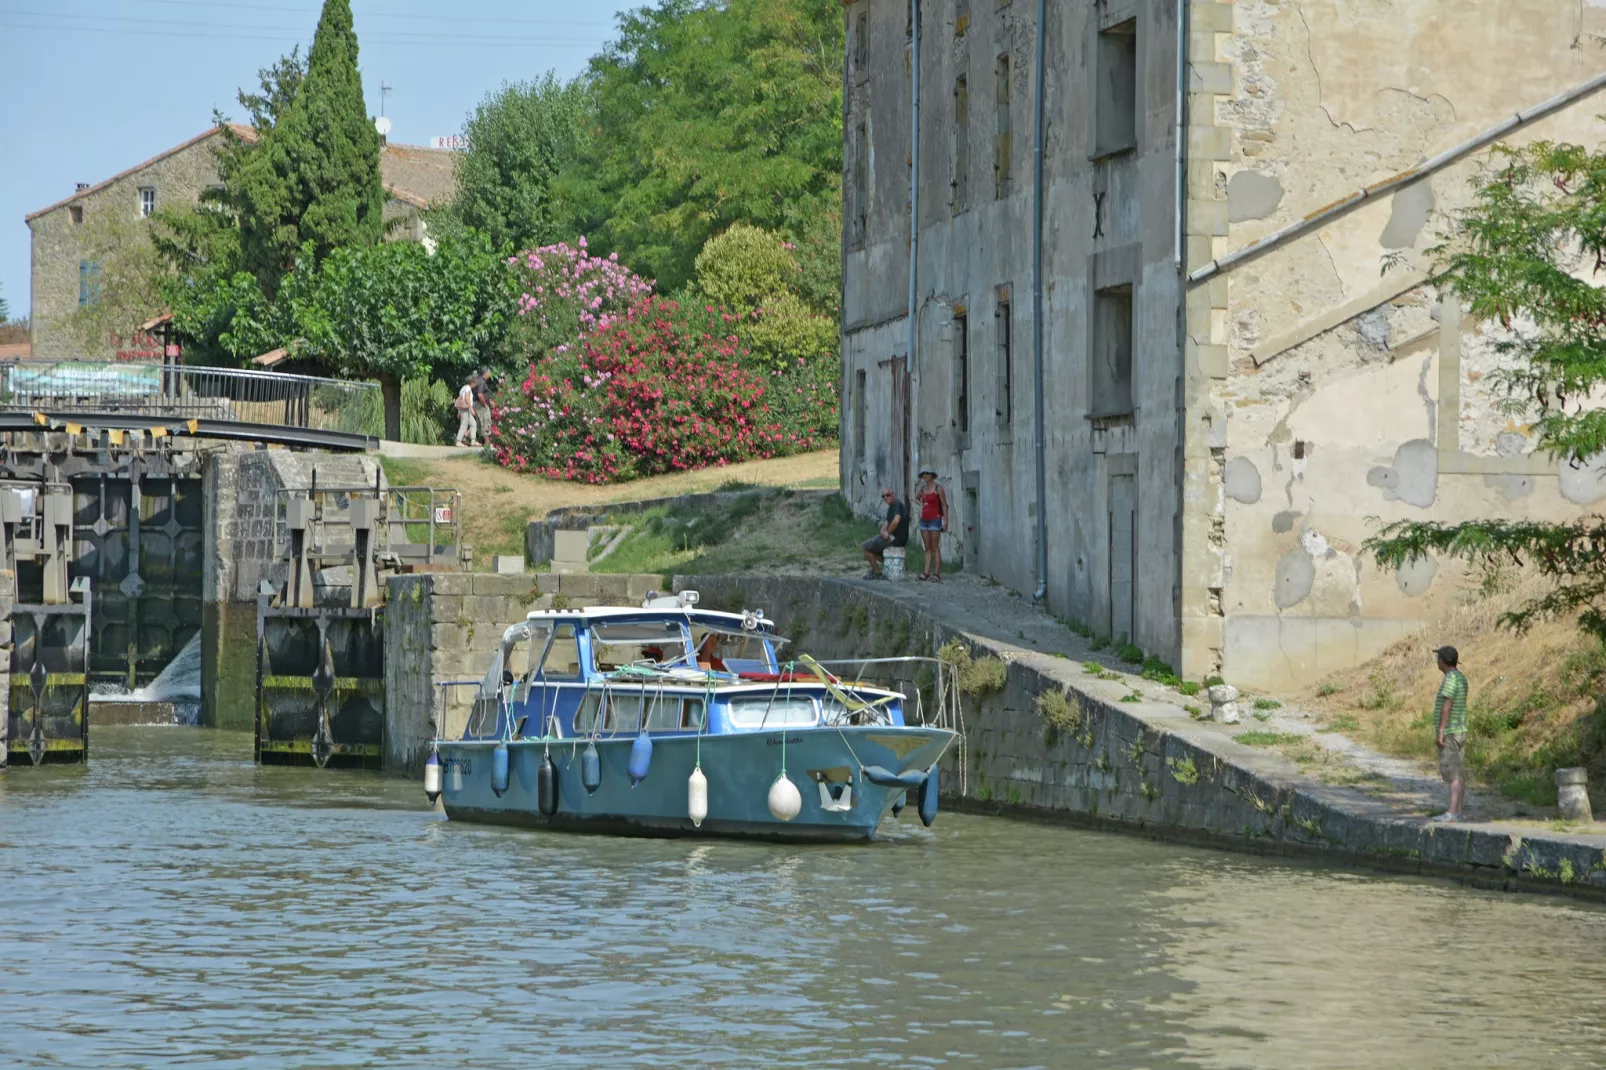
(458, 709)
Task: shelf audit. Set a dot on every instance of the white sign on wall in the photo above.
(456, 142)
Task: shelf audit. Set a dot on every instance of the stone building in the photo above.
(1224, 421)
(65, 264)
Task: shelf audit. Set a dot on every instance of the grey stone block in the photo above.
(508, 564)
(578, 585)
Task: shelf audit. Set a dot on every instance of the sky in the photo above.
(89, 88)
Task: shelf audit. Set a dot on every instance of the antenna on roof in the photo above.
(383, 90)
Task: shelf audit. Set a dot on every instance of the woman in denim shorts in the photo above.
(933, 503)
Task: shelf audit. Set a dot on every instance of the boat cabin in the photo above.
(608, 672)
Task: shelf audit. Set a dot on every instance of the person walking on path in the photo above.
(465, 416)
(482, 402)
(1450, 719)
(933, 503)
(894, 532)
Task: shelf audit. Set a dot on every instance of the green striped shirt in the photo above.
(1454, 688)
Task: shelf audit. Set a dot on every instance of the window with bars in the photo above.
(961, 181)
(1004, 316)
(1002, 139)
(962, 370)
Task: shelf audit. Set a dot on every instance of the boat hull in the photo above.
(839, 804)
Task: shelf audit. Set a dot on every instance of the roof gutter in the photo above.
(1348, 204)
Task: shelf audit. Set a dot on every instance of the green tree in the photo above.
(312, 177)
(1523, 254)
(519, 138)
(708, 114)
(5, 310)
(396, 311)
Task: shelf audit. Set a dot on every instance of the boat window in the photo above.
(691, 714)
(642, 642)
(585, 718)
(563, 656)
(623, 714)
(718, 651)
(763, 712)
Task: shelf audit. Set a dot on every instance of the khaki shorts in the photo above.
(1451, 764)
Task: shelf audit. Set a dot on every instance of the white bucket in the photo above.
(892, 562)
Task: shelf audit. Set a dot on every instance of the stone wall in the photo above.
(1144, 766)
(1109, 212)
(442, 627)
(106, 213)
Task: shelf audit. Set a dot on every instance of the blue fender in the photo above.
(640, 758)
(928, 798)
(886, 778)
(590, 769)
(499, 769)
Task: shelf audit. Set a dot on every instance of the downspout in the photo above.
(1181, 253)
(914, 199)
(1041, 564)
(1422, 170)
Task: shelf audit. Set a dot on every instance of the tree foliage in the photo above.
(312, 176)
(1528, 253)
(519, 138)
(755, 276)
(396, 311)
(707, 114)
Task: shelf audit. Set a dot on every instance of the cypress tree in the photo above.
(314, 176)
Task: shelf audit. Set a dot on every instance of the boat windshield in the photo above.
(638, 643)
(721, 651)
(764, 711)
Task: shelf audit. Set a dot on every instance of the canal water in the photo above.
(173, 904)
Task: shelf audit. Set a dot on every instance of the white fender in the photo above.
(785, 801)
(697, 797)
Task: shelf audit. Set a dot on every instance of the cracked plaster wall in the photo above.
(1381, 414)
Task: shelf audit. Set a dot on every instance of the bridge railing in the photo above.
(231, 394)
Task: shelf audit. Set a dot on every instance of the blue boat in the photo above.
(670, 720)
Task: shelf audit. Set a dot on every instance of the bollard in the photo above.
(1572, 794)
(1224, 704)
(892, 562)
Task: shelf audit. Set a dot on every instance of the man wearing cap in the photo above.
(894, 532)
(1450, 719)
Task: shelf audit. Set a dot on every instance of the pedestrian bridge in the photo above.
(169, 399)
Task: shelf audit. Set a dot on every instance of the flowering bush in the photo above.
(565, 294)
(660, 388)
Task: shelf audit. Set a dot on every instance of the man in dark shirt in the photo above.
(482, 402)
(894, 532)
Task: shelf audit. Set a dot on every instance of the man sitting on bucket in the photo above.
(894, 532)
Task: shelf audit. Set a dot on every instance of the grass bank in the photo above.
(1537, 701)
(761, 533)
(498, 504)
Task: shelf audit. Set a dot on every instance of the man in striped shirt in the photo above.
(1450, 716)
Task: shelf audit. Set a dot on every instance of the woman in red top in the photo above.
(933, 503)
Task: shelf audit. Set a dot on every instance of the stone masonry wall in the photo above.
(1140, 766)
(60, 241)
(446, 626)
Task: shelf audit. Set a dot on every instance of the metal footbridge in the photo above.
(112, 400)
